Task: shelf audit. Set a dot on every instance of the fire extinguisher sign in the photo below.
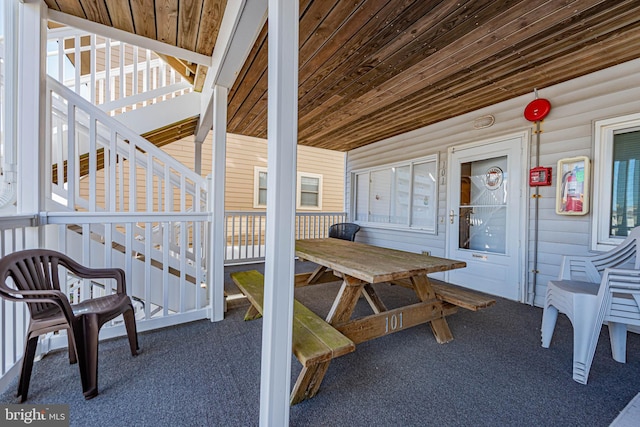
(572, 192)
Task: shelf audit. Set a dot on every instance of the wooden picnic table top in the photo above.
(371, 264)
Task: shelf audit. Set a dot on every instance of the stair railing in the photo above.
(135, 77)
(113, 188)
(101, 165)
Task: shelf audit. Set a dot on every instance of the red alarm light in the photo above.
(537, 109)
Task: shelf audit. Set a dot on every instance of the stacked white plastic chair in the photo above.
(618, 304)
(576, 294)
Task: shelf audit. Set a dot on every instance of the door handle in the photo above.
(451, 216)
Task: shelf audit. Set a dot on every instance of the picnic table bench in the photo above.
(315, 342)
(454, 294)
(445, 291)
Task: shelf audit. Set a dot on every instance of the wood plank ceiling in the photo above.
(371, 69)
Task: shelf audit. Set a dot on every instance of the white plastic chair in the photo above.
(575, 294)
(618, 304)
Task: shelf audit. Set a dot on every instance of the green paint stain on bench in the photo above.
(314, 340)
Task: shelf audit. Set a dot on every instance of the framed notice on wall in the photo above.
(572, 186)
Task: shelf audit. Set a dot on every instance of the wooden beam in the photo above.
(183, 68)
(201, 75)
(172, 132)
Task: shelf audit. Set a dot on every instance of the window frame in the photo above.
(604, 131)
(256, 189)
(433, 158)
(299, 177)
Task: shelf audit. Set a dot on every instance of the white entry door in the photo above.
(485, 216)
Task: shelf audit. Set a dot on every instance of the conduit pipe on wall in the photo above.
(532, 291)
(536, 111)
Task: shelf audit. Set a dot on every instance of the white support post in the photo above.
(31, 103)
(218, 239)
(92, 89)
(77, 57)
(281, 204)
(197, 158)
(9, 109)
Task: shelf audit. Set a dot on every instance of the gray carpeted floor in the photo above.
(494, 373)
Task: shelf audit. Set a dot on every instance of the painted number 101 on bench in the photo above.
(393, 323)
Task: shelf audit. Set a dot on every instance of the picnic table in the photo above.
(360, 266)
(317, 342)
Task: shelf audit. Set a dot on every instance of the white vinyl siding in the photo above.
(568, 131)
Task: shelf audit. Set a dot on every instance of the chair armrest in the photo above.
(96, 273)
(44, 296)
(579, 268)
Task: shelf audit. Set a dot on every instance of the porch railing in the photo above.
(245, 232)
(14, 317)
(167, 287)
(165, 271)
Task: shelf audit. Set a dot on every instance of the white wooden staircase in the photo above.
(115, 198)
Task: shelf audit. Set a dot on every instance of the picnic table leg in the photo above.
(425, 292)
(319, 271)
(308, 382)
(373, 299)
(252, 313)
(346, 300)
